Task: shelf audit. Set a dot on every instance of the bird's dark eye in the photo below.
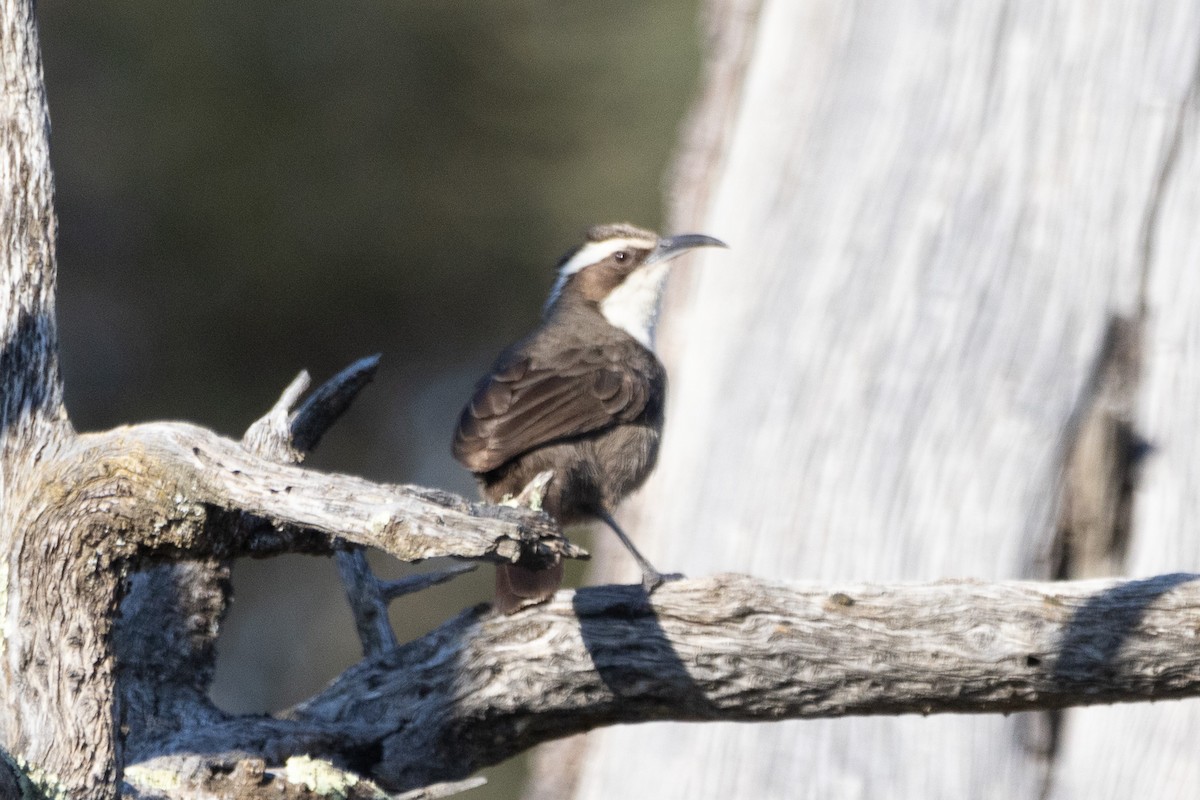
(620, 256)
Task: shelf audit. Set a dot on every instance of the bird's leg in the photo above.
(651, 578)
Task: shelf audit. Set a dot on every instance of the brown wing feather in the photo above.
(523, 405)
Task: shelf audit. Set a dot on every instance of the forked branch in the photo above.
(484, 687)
(285, 435)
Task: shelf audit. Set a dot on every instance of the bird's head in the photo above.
(621, 269)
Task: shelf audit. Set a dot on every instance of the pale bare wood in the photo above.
(48, 693)
(1150, 751)
(935, 212)
(486, 686)
(121, 499)
(30, 384)
(165, 638)
(286, 434)
(79, 511)
(176, 473)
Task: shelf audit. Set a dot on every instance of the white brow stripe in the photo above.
(592, 253)
(595, 252)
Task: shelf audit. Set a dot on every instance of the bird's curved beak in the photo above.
(671, 246)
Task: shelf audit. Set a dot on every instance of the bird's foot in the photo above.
(653, 580)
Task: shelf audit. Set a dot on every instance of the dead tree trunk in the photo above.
(80, 513)
(963, 310)
(904, 427)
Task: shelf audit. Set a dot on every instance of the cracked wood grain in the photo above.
(174, 475)
(165, 638)
(109, 502)
(483, 687)
(938, 211)
(948, 410)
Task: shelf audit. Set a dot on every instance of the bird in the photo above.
(582, 395)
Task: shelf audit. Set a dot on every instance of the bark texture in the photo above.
(107, 503)
(56, 676)
(954, 396)
(487, 686)
(78, 513)
(957, 339)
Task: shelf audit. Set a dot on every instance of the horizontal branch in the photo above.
(484, 687)
(197, 777)
(154, 486)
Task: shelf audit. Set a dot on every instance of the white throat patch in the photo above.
(633, 306)
(592, 253)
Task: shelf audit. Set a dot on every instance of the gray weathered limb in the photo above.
(367, 603)
(194, 777)
(484, 687)
(286, 436)
(122, 499)
(31, 406)
(165, 638)
(930, 409)
(177, 474)
(369, 596)
(419, 583)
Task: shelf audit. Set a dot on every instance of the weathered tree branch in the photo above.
(166, 635)
(77, 513)
(286, 436)
(393, 589)
(300, 778)
(484, 687)
(99, 505)
(369, 596)
(287, 433)
(110, 502)
(175, 474)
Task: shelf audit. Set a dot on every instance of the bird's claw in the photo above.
(653, 580)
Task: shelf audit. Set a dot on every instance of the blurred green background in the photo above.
(245, 190)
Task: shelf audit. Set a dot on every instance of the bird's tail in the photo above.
(517, 586)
